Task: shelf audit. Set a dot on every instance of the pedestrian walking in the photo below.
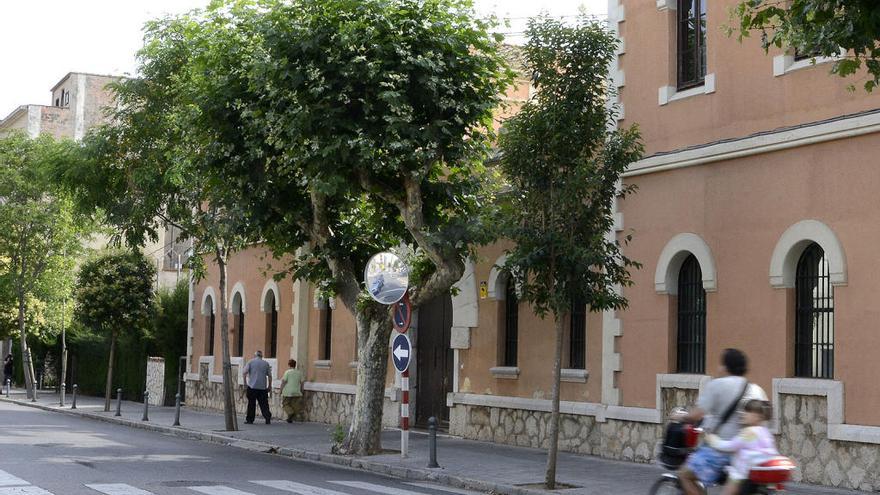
(292, 391)
(7, 369)
(258, 379)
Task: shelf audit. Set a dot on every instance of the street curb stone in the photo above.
(357, 463)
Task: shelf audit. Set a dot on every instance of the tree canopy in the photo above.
(819, 28)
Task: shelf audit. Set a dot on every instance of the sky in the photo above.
(42, 40)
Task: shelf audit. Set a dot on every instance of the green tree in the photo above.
(169, 331)
(43, 233)
(818, 28)
(114, 294)
(564, 165)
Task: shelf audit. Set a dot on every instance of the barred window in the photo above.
(209, 343)
(691, 343)
(327, 333)
(271, 326)
(239, 327)
(691, 56)
(577, 356)
(511, 324)
(814, 319)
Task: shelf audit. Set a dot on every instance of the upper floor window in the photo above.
(327, 333)
(210, 323)
(691, 342)
(271, 325)
(691, 56)
(814, 318)
(577, 355)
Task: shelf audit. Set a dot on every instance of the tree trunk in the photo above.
(27, 362)
(228, 385)
(553, 430)
(108, 387)
(365, 433)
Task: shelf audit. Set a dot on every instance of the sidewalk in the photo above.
(466, 464)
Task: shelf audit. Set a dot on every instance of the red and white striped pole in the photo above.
(404, 413)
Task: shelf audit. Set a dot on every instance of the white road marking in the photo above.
(299, 488)
(449, 489)
(218, 490)
(118, 489)
(23, 490)
(387, 490)
(7, 479)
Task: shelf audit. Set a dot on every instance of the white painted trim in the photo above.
(666, 5)
(640, 414)
(209, 292)
(505, 372)
(332, 388)
(191, 377)
(79, 126)
(238, 288)
(322, 364)
(465, 305)
(574, 375)
(793, 242)
(34, 120)
(678, 380)
(496, 281)
(833, 391)
(668, 94)
(270, 285)
(672, 257)
(542, 405)
(785, 63)
(759, 144)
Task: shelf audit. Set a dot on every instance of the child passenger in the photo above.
(753, 445)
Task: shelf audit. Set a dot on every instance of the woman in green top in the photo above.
(292, 391)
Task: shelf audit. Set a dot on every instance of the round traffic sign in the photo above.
(401, 351)
(402, 314)
(387, 278)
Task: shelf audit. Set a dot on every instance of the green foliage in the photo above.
(563, 166)
(169, 333)
(114, 293)
(818, 28)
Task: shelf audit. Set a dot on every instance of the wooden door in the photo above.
(434, 361)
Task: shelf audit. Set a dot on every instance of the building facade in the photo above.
(79, 102)
(755, 221)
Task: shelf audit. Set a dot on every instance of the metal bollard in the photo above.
(176, 409)
(146, 406)
(75, 388)
(432, 442)
(61, 396)
(118, 402)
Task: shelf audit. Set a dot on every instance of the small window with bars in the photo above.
(691, 54)
(814, 318)
(271, 325)
(209, 331)
(239, 334)
(327, 332)
(691, 341)
(511, 325)
(577, 353)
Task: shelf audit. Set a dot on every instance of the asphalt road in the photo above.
(44, 453)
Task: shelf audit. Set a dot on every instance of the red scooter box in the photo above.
(775, 470)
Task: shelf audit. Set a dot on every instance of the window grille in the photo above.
(691, 318)
(273, 332)
(209, 351)
(511, 324)
(239, 345)
(814, 319)
(328, 332)
(577, 357)
(691, 56)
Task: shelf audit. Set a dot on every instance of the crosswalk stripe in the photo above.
(218, 490)
(7, 479)
(23, 490)
(118, 489)
(387, 490)
(298, 488)
(448, 489)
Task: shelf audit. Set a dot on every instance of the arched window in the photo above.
(209, 331)
(577, 355)
(327, 332)
(814, 318)
(511, 325)
(271, 325)
(238, 332)
(691, 342)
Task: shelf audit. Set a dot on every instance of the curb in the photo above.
(357, 463)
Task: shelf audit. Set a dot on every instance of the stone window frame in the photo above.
(208, 296)
(271, 317)
(239, 311)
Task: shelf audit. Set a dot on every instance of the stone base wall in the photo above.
(319, 407)
(803, 428)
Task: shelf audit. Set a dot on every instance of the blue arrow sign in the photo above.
(401, 351)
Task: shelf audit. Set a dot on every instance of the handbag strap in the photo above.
(730, 410)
